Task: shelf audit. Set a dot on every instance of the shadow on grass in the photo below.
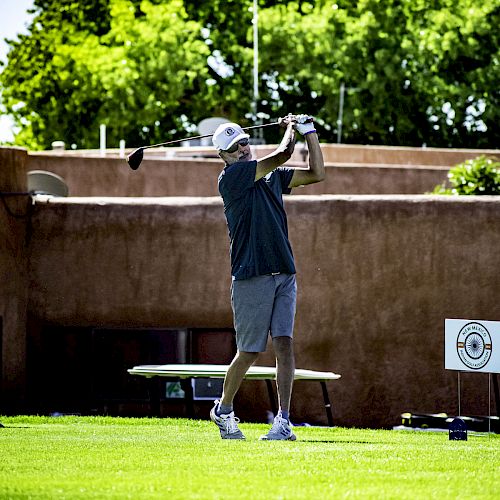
(336, 441)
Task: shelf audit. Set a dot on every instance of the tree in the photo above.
(454, 63)
(415, 71)
(137, 78)
(36, 86)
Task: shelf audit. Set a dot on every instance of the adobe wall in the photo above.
(195, 177)
(399, 155)
(134, 262)
(350, 170)
(13, 276)
(377, 277)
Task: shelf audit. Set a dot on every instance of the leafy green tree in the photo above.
(414, 71)
(36, 86)
(453, 62)
(138, 77)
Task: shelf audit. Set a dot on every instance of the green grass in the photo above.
(104, 457)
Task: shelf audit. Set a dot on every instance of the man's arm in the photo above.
(316, 171)
(281, 155)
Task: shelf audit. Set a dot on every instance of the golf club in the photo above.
(134, 159)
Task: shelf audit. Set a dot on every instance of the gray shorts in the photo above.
(263, 305)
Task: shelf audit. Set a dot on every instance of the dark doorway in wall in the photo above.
(117, 350)
(84, 370)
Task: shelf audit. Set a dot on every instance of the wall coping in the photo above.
(216, 200)
(204, 149)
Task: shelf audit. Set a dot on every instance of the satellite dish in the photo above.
(209, 126)
(47, 183)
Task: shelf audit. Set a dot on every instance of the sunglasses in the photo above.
(234, 147)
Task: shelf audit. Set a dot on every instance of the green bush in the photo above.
(479, 176)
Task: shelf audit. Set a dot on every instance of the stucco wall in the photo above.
(400, 155)
(13, 277)
(350, 170)
(140, 262)
(195, 177)
(377, 277)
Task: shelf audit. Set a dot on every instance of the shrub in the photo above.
(478, 176)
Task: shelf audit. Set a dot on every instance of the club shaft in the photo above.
(203, 136)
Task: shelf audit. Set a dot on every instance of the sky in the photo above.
(13, 21)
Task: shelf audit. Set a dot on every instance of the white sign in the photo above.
(472, 345)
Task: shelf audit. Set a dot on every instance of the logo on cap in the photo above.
(229, 131)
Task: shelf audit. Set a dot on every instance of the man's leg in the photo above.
(252, 301)
(285, 371)
(282, 333)
(282, 324)
(222, 413)
(235, 374)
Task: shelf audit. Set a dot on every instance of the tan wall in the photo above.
(398, 155)
(377, 277)
(13, 277)
(130, 262)
(350, 170)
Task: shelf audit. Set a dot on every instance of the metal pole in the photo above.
(489, 404)
(102, 137)
(122, 148)
(341, 113)
(255, 22)
(255, 54)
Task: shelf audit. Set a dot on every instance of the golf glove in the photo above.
(305, 124)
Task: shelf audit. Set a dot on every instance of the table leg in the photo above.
(328, 406)
(187, 387)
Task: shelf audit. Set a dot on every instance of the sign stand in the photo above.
(472, 346)
(489, 400)
(489, 404)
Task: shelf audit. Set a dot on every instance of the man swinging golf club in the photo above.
(263, 287)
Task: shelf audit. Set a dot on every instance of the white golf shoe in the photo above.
(281, 430)
(227, 424)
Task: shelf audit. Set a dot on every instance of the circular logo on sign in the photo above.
(474, 345)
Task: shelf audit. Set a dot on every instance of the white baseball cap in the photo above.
(226, 135)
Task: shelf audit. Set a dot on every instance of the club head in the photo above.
(134, 159)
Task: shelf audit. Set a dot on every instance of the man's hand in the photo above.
(282, 153)
(286, 120)
(304, 124)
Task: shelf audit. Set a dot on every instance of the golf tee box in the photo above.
(472, 345)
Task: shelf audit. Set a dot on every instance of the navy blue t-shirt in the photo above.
(256, 220)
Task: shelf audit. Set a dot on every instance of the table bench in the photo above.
(188, 372)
